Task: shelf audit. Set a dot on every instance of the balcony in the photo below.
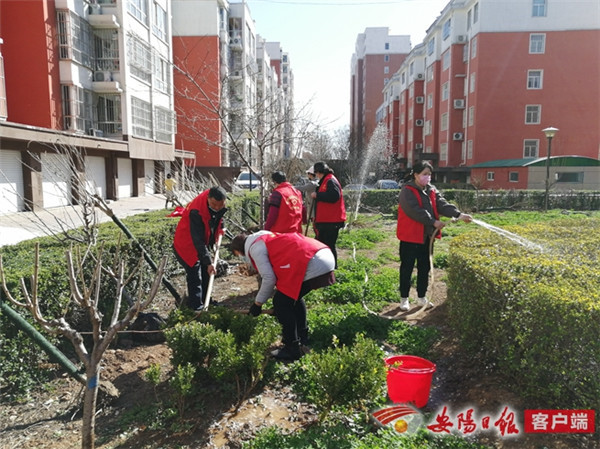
(101, 16)
(104, 83)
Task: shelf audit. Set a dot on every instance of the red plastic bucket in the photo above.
(409, 379)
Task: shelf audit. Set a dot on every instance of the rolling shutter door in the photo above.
(149, 177)
(95, 175)
(56, 180)
(125, 178)
(11, 182)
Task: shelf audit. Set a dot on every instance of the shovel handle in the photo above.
(211, 280)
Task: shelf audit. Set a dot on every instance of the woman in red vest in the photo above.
(420, 206)
(330, 214)
(285, 206)
(290, 265)
(200, 225)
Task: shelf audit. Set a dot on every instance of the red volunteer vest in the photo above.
(183, 239)
(289, 255)
(330, 212)
(409, 230)
(289, 218)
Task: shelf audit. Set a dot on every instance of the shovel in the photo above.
(211, 280)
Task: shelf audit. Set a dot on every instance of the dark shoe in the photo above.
(288, 352)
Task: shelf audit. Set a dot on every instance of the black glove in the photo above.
(254, 310)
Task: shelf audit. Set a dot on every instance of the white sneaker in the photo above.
(423, 301)
(404, 305)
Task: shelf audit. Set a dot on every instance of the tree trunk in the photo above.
(88, 429)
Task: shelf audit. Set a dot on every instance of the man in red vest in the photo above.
(290, 265)
(285, 206)
(330, 214)
(200, 225)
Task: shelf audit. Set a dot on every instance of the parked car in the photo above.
(356, 187)
(387, 184)
(244, 178)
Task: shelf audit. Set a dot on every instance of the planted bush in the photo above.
(534, 314)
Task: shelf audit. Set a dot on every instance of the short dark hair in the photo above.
(419, 166)
(322, 167)
(218, 193)
(238, 243)
(278, 177)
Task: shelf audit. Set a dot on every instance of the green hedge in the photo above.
(534, 314)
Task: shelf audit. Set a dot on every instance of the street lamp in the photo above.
(550, 133)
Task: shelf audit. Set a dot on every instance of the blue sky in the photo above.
(320, 35)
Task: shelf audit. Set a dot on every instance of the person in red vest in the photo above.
(419, 210)
(290, 265)
(285, 206)
(330, 213)
(200, 224)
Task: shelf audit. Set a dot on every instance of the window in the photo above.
(534, 79)
(162, 74)
(444, 152)
(386, 70)
(474, 47)
(411, 69)
(573, 177)
(108, 110)
(159, 23)
(74, 38)
(3, 105)
(403, 77)
(387, 45)
(431, 46)
(513, 176)
(476, 13)
(139, 10)
(386, 58)
(470, 149)
(430, 73)
(444, 122)
(164, 124)
(537, 43)
(106, 49)
(469, 17)
(141, 117)
(77, 109)
(490, 176)
(531, 147)
(446, 60)
(429, 101)
(471, 115)
(445, 91)
(446, 29)
(472, 83)
(532, 114)
(539, 8)
(140, 59)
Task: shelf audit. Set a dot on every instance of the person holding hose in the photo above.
(198, 229)
(285, 206)
(330, 213)
(419, 210)
(290, 265)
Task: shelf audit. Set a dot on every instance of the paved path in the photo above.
(20, 226)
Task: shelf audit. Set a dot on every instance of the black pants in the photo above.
(291, 313)
(409, 253)
(328, 233)
(196, 277)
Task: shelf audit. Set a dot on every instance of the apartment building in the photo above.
(377, 57)
(88, 100)
(496, 73)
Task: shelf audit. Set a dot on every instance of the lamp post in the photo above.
(250, 161)
(550, 133)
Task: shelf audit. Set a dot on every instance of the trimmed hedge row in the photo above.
(386, 201)
(533, 314)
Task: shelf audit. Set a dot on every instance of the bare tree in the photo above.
(86, 295)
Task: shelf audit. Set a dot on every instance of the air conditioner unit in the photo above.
(96, 132)
(459, 104)
(419, 76)
(419, 122)
(420, 100)
(102, 76)
(397, 97)
(461, 38)
(418, 146)
(457, 136)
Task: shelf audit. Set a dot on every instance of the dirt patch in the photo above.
(51, 418)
